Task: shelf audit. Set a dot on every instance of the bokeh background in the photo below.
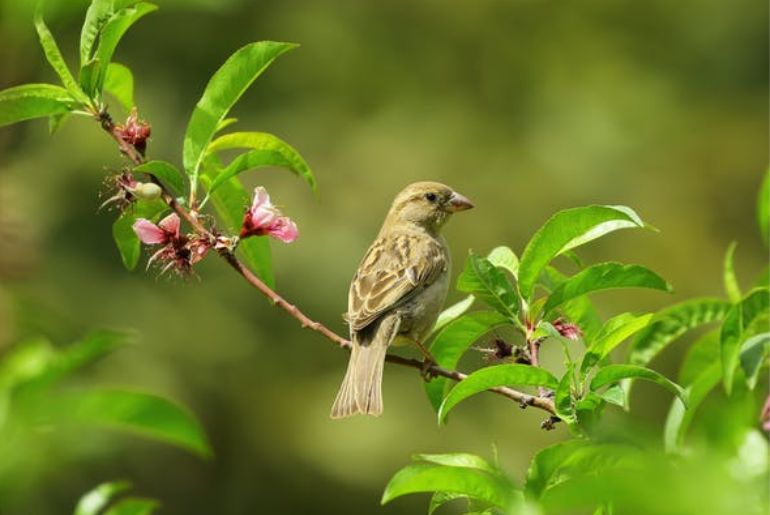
(525, 106)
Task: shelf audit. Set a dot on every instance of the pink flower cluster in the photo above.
(178, 252)
(263, 218)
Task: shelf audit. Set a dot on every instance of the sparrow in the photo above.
(398, 290)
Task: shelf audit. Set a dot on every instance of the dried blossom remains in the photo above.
(135, 132)
(178, 252)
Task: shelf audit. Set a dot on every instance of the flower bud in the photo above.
(147, 191)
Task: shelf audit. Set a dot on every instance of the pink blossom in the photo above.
(567, 330)
(263, 218)
(178, 252)
(150, 234)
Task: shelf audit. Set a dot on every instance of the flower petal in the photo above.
(171, 224)
(284, 229)
(149, 233)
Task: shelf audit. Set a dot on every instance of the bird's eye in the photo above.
(430, 197)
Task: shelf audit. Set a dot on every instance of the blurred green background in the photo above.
(525, 106)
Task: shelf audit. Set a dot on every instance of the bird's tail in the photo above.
(361, 390)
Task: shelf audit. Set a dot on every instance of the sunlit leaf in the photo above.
(563, 396)
(431, 477)
(490, 377)
(566, 230)
(55, 59)
(266, 150)
(230, 202)
(224, 89)
(94, 501)
(452, 342)
(144, 414)
(457, 459)
(763, 208)
(490, 284)
(703, 353)
(441, 498)
(505, 258)
(732, 288)
(452, 312)
(737, 320)
(110, 35)
(97, 14)
(605, 276)
(119, 82)
(680, 416)
(753, 357)
(33, 101)
(614, 332)
(579, 310)
(167, 173)
(614, 373)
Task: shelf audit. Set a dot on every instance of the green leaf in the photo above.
(119, 82)
(126, 240)
(566, 230)
(701, 355)
(732, 288)
(225, 124)
(167, 173)
(579, 310)
(604, 276)
(488, 283)
(563, 396)
(230, 202)
(672, 322)
(33, 101)
(111, 34)
(430, 477)
(98, 13)
(92, 347)
(133, 506)
(94, 501)
(680, 416)
(458, 459)
(615, 331)
(55, 59)
(763, 208)
(452, 312)
(616, 395)
(267, 150)
(441, 498)
(614, 373)
(139, 413)
(504, 257)
(452, 342)
(737, 320)
(753, 357)
(543, 468)
(491, 377)
(224, 89)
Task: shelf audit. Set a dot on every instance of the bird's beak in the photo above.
(458, 202)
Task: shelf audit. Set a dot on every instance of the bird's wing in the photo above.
(395, 267)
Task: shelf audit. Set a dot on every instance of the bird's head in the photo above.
(427, 204)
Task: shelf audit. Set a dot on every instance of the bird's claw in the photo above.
(426, 371)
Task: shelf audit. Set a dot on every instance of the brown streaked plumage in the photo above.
(398, 289)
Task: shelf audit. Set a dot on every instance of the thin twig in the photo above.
(135, 157)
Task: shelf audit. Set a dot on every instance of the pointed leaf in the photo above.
(732, 288)
(111, 34)
(566, 230)
(231, 202)
(504, 257)
(491, 377)
(33, 101)
(167, 173)
(614, 332)
(119, 82)
(452, 312)
(488, 283)
(133, 506)
(224, 89)
(563, 396)
(737, 320)
(605, 276)
(94, 501)
(430, 477)
(55, 59)
(441, 498)
(614, 373)
(97, 14)
(140, 413)
(458, 459)
(452, 342)
(680, 416)
(267, 150)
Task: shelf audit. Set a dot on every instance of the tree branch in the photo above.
(130, 152)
